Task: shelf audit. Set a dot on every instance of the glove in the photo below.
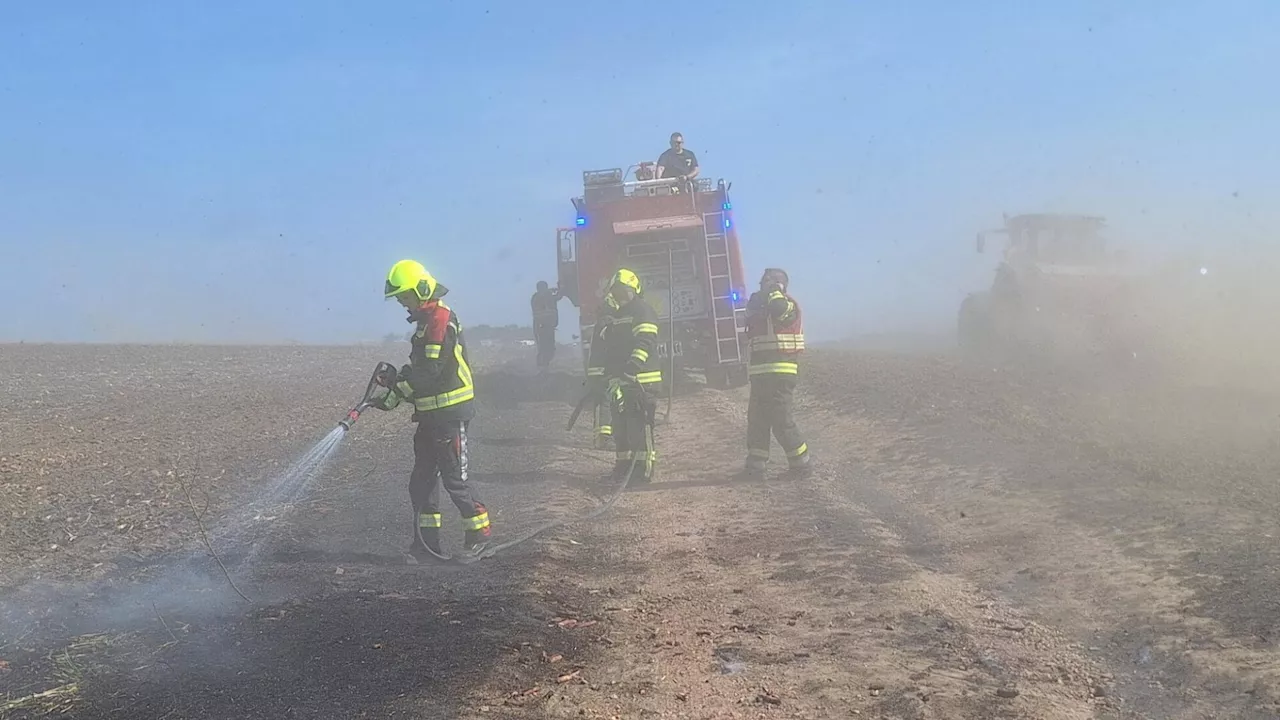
(401, 385)
(616, 396)
(386, 378)
(626, 393)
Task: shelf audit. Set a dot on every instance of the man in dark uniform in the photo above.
(546, 317)
(678, 162)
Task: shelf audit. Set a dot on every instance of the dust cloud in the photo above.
(1189, 318)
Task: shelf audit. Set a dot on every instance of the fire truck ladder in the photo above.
(726, 316)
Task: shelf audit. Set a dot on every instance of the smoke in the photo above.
(189, 584)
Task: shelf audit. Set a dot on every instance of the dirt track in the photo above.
(978, 543)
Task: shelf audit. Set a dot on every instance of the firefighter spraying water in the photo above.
(437, 382)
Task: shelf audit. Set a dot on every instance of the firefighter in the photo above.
(603, 417)
(546, 316)
(437, 381)
(775, 335)
(623, 366)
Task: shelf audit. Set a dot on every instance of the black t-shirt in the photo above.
(545, 311)
(676, 164)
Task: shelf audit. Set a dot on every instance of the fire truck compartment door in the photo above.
(689, 301)
(630, 227)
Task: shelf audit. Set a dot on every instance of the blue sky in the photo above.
(248, 170)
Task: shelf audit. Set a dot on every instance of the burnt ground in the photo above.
(979, 542)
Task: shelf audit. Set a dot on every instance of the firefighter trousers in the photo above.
(633, 417)
(769, 414)
(603, 419)
(440, 458)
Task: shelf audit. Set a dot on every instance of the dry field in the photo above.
(978, 542)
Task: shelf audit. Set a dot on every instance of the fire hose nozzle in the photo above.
(352, 416)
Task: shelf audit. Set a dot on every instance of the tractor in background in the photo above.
(1059, 290)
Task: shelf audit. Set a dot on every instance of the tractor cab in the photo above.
(1051, 241)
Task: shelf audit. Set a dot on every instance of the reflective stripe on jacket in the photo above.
(775, 333)
(438, 378)
(625, 342)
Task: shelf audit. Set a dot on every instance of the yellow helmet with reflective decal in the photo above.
(627, 278)
(409, 275)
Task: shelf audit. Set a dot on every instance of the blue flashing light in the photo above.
(728, 205)
(726, 223)
(734, 296)
(582, 221)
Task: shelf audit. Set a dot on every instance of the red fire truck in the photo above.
(681, 240)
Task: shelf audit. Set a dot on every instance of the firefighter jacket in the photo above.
(625, 342)
(775, 333)
(437, 379)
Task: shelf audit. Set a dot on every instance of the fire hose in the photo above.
(384, 375)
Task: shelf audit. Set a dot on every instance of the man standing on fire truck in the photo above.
(678, 162)
(623, 367)
(775, 335)
(437, 381)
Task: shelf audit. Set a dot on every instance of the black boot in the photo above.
(477, 540)
(800, 467)
(640, 477)
(752, 471)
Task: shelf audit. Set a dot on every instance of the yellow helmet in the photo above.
(409, 275)
(625, 277)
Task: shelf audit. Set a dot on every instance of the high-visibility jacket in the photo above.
(775, 333)
(438, 377)
(624, 341)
